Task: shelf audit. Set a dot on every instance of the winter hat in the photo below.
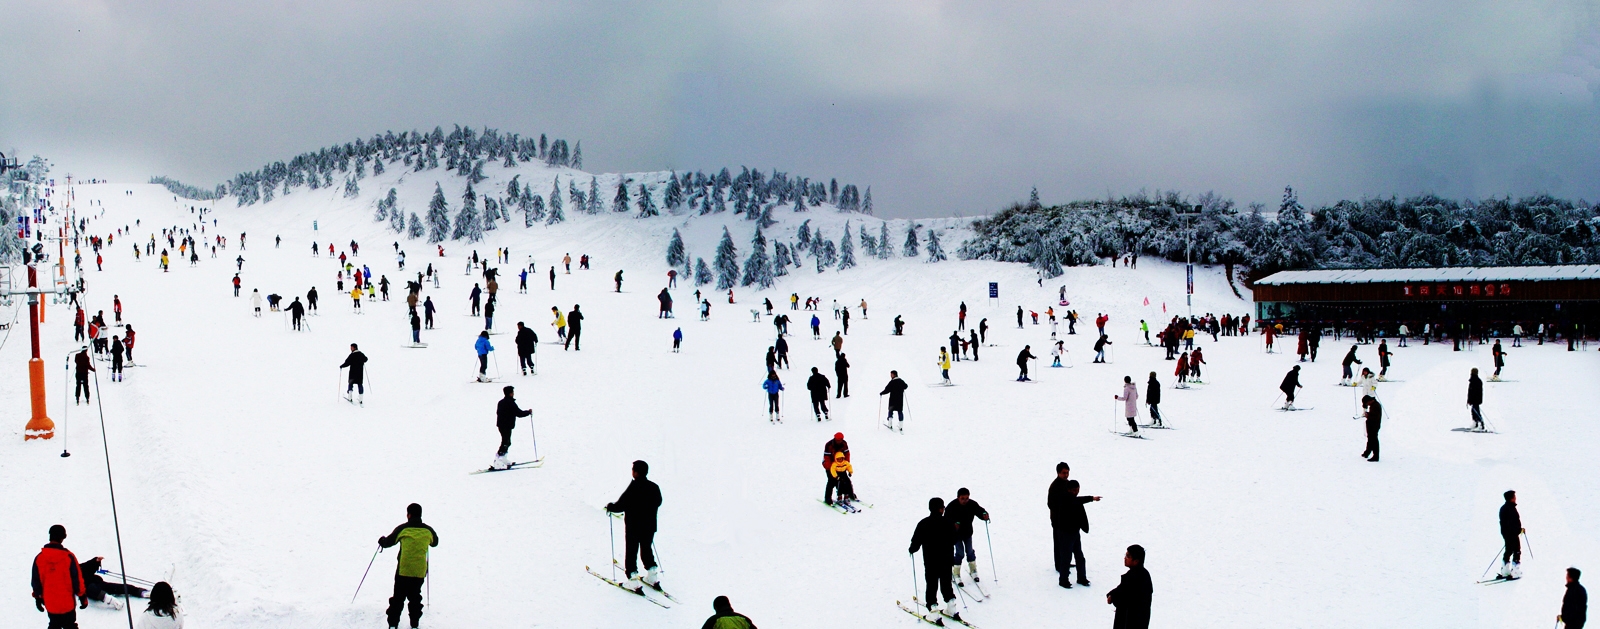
(838, 455)
(839, 436)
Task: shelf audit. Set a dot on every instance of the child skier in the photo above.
(1056, 352)
(840, 471)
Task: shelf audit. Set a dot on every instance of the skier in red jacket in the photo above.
(57, 580)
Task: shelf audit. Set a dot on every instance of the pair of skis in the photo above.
(520, 465)
(932, 617)
(640, 592)
(846, 506)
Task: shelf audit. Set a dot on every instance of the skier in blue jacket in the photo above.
(483, 347)
(772, 386)
(816, 327)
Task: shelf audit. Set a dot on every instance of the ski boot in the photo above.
(652, 577)
(972, 570)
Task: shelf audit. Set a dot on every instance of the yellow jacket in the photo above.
(355, 294)
(944, 360)
(840, 465)
(561, 320)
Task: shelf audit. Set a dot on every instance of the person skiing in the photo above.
(725, 617)
(411, 566)
(488, 314)
(1475, 399)
(1100, 348)
(955, 345)
(1367, 384)
(935, 536)
(560, 323)
(1383, 360)
(961, 512)
(355, 295)
(297, 313)
(781, 349)
(899, 325)
(311, 299)
(116, 359)
(944, 364)
(677, 339)
(1130, 403)
(427, 311)
(1182, 370)
(1374, 413)
(1499, 360)
(553, 277)
(1132, 596)
(255, 300)
(839, 476)
(1575, 603)
(841, 372)
(818, 385)
(618, 280)
(1022, 362)
(772, 386)
(574, 329)
(896, 390)
(664, 299)
(483, 348)
(527, 344)
(1291, 381)
(505, 419)
(1195, 360)
(961, 317)
(1019, 317)
(983, 334)
(638, 504)
(82, 366)
(837, 343)
(356, 362)
(416, 329)
(57, 580)
(833, 450)
(1056, 351)
(1152, 399)
(1349, 358)
(476, 297)
(972, 342)
(1510, 529)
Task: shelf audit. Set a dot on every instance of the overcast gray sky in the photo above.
(944, 108)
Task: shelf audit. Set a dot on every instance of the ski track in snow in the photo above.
(241, 469)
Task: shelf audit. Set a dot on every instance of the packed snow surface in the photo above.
(245, 479)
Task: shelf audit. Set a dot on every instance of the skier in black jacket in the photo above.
(1152, 397)
(1348, 359)
(1291, 381)
(1575, 605)
(935, 535)
(1374, 413)
(638, 504)
(574, 329)
(818, 385)
(1475, 399)
(1022, 362)
(357, 362)
(527, 344)
(962, 511)
(841, 370)
(1132, 596)
(896, 390)
(1068, 519)
(1510, 529)
(82, 365)
(505, 418)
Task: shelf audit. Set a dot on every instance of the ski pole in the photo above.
(612, 524)
(657, 555)
(1527, 542)
(64, 407)
(880, 406)
(1498, 555)
(913, 576)
(993, 573)
(364, 574)
(535, 432)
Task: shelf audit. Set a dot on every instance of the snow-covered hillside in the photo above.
(243, 475)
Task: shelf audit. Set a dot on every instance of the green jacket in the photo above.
(414, 539)
(728, 621)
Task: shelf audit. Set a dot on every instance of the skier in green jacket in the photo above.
(414, 538)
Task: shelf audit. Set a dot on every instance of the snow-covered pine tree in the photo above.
(555, 195)
(910, 248)
(415, 229)
(702, 273)
(675, 252)
(866, 202)
(383, 207)
(647, 205)
(554, 216)
(804, 234)
(869, 245)
(577, 156)
(514, 189)
(594, 196)
(829, 252)
(619, 201)
(1033, 198)
(885, 250)
(727, 262)
(758, 267)
(780, 259)
(477, 175)
(799, 203)
(674, 195)
(377, 167)
(833, 192)
(469, 225)
(718, 203)
(574, 196)
(491, 214)
(544, 146)
(847, 250)
(935, 251)
(351, 189)
(438, 216)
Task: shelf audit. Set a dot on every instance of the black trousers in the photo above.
(640, 544)
(819, 406)
(833, 483)
(406, 588)
(938, 578)
(572, 338)
(1513, 549)
(525, 361)
(68, 620)
(81, 387)
(1372, 441)
(505, 439)
(1069, 547)
(844, 386)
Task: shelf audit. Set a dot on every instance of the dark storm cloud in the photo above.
(944, 108)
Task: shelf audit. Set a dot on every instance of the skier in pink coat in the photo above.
(1130, 402)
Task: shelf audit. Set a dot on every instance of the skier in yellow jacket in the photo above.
(414, 538)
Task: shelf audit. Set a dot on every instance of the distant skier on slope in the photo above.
(1152, 399)
(1499, 360)
(840, 472)
(841, 372)
(356, 362)
(1022, 362)
(527, 344)
(297, 313)
(639, 504)
(411, 566)
(82, 365)
(944, 364)
(772, 386)
(835, 448)
(1510, 530)
(1349, 358)
(1374, 415)
(482, 346)
(935, 536)
(1475, 399)
(574, 329)
(1100, 348)
(818, 385)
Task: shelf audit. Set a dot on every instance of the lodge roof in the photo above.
(1436, 274)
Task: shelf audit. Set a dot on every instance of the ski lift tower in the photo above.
(39, 425)
(1188, 244)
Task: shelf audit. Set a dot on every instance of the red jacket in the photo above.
(56, 578)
